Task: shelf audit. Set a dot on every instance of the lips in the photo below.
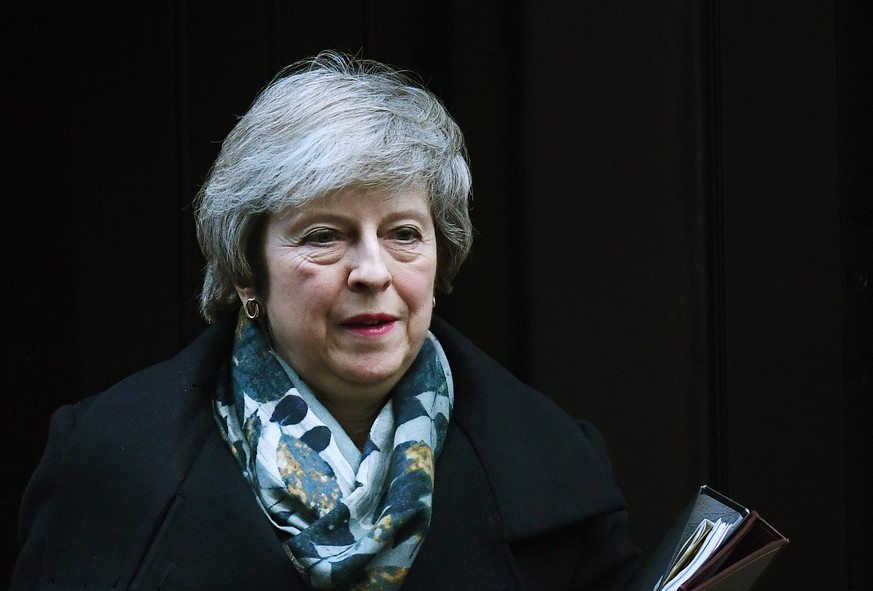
(370, 324)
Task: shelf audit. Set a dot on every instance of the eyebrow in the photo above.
(329, 216)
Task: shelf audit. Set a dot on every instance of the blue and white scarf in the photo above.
(348, 519)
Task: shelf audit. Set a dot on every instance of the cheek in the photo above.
(416, 286)
(313, 294)
(296, 278)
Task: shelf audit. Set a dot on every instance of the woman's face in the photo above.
(349, 288)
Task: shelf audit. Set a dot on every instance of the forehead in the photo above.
(357, 202)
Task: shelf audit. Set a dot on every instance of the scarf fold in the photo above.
(349, 519)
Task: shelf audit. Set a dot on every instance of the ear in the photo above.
(245, 293)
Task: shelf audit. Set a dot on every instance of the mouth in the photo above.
(370, 324)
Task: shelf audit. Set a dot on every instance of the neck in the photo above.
(355, 406)
(356, 420)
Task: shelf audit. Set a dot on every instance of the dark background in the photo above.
(672, 202)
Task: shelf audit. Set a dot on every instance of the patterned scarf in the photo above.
(348, 519)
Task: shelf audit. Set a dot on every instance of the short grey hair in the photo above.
(323, 124)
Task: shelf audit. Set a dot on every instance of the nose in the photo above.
(369, 271)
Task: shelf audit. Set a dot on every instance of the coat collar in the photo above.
(214, 504)
(549, 448)
(520, 437)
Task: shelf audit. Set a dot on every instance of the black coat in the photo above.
(138, 490)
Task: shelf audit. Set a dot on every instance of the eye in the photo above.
(320, 236)
(406, 234)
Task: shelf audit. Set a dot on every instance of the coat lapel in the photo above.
(465, 547)
(215, 535)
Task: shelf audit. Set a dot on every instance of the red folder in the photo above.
(736, 563)
(741, 560)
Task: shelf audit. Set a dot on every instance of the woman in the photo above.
(327, 431)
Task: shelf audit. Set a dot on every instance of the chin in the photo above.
(374, 373)
(373, 378)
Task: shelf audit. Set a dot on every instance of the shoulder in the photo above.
(166, 386)
(145, 423)
(134, 444)
(546, 468)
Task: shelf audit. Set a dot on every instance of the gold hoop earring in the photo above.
(252, 308)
